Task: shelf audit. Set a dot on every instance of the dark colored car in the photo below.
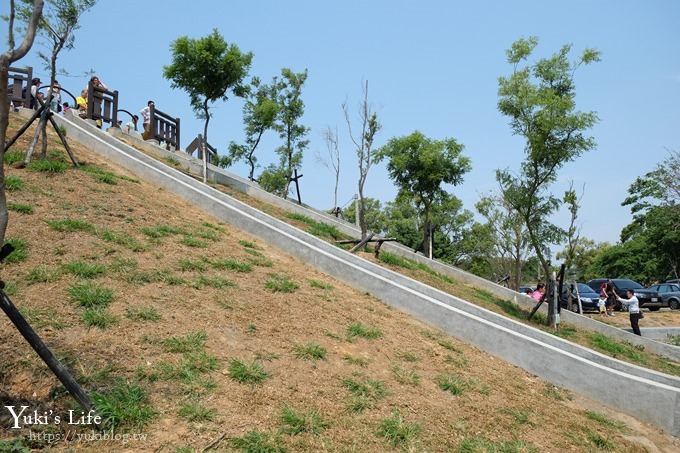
(648, 298)
(669, 293)
(526, 290)
(589, 298)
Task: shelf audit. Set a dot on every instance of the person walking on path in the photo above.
(634, 309)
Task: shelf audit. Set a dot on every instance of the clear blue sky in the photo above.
(432, 66)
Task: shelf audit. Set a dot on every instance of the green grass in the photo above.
(359, 330)
(142, 314)
(48, 166)
(280, 283)
(70, 225)
(364, 392)
(124, 405)
(91, 295)
(297, 422)
(99, 174)
(310, 351)
(213, 282)
(232, 265)
(354, 360)
(247, 373)
(258, 442)
(20, 252)
(13, 183)
(84, 270)
(249, 245)
(520, 416)
(258, 259)
(21, 208)
(122, 239)
(616, 348)
(600, 442)
(210, 235)
(556, 393)
(99, 317)
(479, 444)
(607, 422)
(406, 356)
(40, 318)
(42, 274)
(190, 241)
(191, 342)
(396, 431)
(319, 284)
(452, 384)
(161, 230)
(189, 265)
(172, 161)
(404, 376)
(673, 339)
(138, 277)
(13, 156)
(194, 412)
(187, 371)
(14, 446)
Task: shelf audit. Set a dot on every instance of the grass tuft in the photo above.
(310, 351)
(191, 342)
(258, 442)
(142, 314)
(13, 183)
(21, 208)
(247, 373)
(296, 422)
(279, 283)
(124, 405)
(90, 295)
(359, 330)
(194, 412)
(70, 225)
(232, 265)
(99, 317)
(42, 274)
(396, 431)
(84, 270)
(20, 252)
(48, 166)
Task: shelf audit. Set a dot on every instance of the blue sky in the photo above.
(432, 66)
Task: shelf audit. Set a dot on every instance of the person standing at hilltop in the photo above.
(146, 120)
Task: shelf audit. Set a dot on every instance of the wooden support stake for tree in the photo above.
(44, 352)
(363, 242)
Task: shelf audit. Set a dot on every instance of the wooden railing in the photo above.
(197, 145)
(19, 88)
(164, 128)
(102, 104)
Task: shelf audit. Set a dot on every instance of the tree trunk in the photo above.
(204, 144)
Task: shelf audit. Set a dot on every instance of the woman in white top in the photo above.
(634, 309)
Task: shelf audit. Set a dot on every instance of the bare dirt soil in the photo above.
(192, 298)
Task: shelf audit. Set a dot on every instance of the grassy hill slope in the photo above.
(193, 334)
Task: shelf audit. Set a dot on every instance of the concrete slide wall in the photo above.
(647, 395)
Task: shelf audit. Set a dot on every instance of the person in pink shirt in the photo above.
(539, 292)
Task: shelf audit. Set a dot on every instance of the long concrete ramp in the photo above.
(647, 395)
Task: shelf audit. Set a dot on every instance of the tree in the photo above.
(59, 21)
(374, 215)
(419, 167)
(539, 100)
(208, 69)
(654, 200)
(291, 109)
(331, 160)
(364, 149)
(259, 114)
(585, 252)
(573, 233)
(508, 236)
(12, 54)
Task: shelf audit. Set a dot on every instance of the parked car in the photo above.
(669, 293)
(648, 298)
(526, 290)
(589, 298)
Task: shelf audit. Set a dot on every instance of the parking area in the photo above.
(665, 317)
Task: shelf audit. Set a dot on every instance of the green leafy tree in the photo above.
(59, 21)
(259, 114)
(208, 69)
(585, 252)
(363, 144)
(12, 54)
(291, 109)
(510, 242)
(420, 167)
(374, 215)
(654, 200)
(539, 100)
